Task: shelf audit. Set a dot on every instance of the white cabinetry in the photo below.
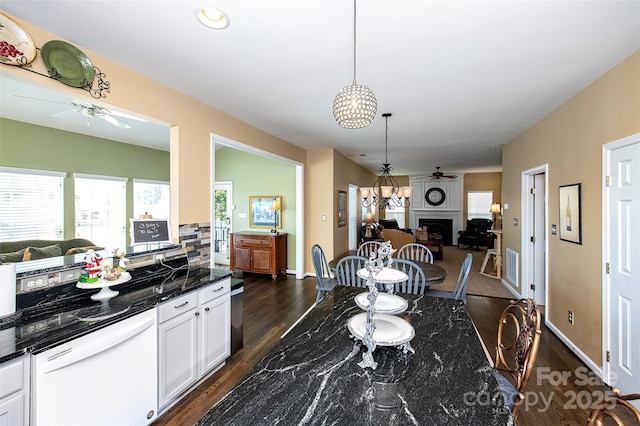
(194, 337)
(14, 392)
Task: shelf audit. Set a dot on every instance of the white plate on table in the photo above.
(385, 276)
(390, 330)
(385, 303)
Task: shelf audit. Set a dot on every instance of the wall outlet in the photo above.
(570, 317)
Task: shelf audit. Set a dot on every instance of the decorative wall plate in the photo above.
(16, 45)
(67, 63)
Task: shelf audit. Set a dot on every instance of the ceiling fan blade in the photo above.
(123, 115)
(42, 100)
(58, 114)
(114, 121)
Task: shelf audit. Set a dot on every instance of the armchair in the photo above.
(476, 233)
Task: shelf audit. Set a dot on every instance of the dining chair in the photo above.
(460, 290)
(416, 252)
(324, 282)
(346, 271)
(367, 248)
(616, 407)
(416, 283)
(516, 350)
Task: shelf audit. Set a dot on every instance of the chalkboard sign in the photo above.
(144, 231)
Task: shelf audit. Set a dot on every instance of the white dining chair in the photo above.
(416, 252)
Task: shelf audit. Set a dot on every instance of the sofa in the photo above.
(398, 239)
(25, 250)
(476, 234)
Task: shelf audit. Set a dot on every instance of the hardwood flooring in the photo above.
(271, 307)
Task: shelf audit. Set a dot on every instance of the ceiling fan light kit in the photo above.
(355, 106)
(385, 192)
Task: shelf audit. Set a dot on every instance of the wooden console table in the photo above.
(259, 252)
(433, 245)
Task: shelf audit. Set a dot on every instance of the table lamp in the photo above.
(275, 206)
(368, 219)
(495, 210)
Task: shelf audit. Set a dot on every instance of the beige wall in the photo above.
(570, 141)
(481, 182)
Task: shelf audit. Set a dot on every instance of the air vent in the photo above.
(512, 266)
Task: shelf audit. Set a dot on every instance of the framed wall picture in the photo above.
(342, 208)
(570, 197)
(265, 211)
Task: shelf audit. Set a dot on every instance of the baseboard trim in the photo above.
(588, 361)
(511, 289)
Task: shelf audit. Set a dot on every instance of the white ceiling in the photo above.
(460, 77)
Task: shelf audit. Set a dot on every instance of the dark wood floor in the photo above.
(271, 307)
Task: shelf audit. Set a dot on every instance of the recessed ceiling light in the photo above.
(213, 18)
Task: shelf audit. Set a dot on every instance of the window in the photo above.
(396, 213)
(151, 197)
(479, 204)
(24, 196)
(100, 213)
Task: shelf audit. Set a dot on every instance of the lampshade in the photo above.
(369, 218)
(365, 191)
(495, 208)
(276, 204)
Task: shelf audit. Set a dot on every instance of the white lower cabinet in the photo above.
(14, 392)
(193, 338)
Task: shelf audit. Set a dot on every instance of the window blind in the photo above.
(31, 204)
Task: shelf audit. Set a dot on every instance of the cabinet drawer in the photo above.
(174, 307)
(11, 374)
(217, 289)
(252, 241)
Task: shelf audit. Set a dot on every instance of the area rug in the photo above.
(479, 285)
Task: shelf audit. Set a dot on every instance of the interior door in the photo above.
(223, 205)
(539, 238)
(621, 201)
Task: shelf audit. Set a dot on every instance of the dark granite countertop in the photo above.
(51, 317)
(312, 377)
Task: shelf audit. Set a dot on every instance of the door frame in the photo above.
(526, 266)
(299, 170)
(606, 249)
(230, 218)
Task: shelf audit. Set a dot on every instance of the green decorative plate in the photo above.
(72, 67)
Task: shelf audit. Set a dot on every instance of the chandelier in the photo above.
(354, 106)
(385, 193)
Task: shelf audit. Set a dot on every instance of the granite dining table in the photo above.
(312, 376)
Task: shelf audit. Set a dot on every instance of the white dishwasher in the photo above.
(108, 377)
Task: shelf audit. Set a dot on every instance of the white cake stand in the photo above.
(105, 309)
(105, 292)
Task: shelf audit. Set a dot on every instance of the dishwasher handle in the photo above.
(72, 354)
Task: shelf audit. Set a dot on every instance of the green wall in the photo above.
(29, 146)
(256, 175)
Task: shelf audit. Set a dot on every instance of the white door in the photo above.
(621, 232)
(222, 208)
(539, 239)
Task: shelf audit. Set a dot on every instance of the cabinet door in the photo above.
(215, 333)
(242, 258)
(177, 343)
(12, 410)
(262, 260)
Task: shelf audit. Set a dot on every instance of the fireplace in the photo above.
(439, 229)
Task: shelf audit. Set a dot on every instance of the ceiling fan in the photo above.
(90, 110)
(438, 174)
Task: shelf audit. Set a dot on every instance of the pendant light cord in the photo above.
(386, 137)
(354, 42)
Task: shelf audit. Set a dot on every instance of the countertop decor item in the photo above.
(7, 289)
(67, 63)
(377, 326)
(16, 45)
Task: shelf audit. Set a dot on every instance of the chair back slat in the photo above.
(346, 271)
(416, 252)
(320, 265)
(460, 290)
(367, 248)
(416, 283)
